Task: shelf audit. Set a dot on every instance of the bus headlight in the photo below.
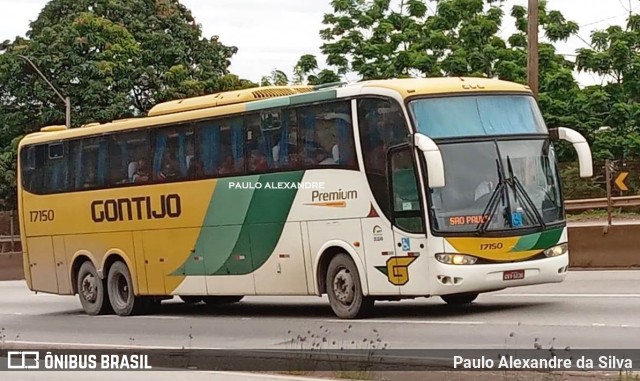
(456, 259)
(557, 250)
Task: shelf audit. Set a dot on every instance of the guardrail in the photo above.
(8, 243)
(600, 203)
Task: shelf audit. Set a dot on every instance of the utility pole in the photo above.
(532, 55)
(609, 169)
(66, 100)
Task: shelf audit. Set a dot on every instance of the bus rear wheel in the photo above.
(92, 290)
(345, 290)
(459, 299)
(120, 286)
(218, 300)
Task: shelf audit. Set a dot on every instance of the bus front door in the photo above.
(410, 265)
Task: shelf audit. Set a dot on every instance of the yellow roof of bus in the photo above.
(235, 102)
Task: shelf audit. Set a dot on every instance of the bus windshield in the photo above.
(481, 115)
(526, 170)
(496, 183)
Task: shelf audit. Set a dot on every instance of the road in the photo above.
(589, 310)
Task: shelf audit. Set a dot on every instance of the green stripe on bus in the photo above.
(268, 103)
(242, 226)
(315, 96)
(221, 227)
(263, 224)
(526, 242)
(548, 239)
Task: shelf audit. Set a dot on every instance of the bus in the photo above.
(376, 190)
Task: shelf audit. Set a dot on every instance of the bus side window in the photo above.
(56, 173)
(382, 125)
(221, 146)
(170, 160)
(33, 162)
(259, 144)
(136, 156)
(327, 135)
(406, 201)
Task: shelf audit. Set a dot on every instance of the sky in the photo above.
(275, 33)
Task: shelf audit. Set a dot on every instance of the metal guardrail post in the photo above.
(12, 231)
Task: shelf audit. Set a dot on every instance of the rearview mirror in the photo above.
(579, 144)
(433, 158)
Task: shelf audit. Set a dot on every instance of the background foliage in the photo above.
(118, 58)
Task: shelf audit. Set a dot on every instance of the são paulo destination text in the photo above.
(511, 362)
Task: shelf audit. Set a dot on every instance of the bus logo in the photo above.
(24, 359)
(397, 270)
(332, 199)
(377, 234)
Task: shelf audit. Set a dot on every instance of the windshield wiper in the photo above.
(498, 193)
(519, 191)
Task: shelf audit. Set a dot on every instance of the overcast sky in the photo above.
(275, 33)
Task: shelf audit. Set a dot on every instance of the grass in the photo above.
(628, 376)
(317, 346)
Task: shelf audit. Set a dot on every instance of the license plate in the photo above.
(513, 275)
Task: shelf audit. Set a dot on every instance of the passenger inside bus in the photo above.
(141, 174)
(91, 179)
(258, 162)
(227, 167)
(196, 169)
(169, 170)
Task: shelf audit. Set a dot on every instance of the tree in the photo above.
(306, 70)
(615, 55)
(276, 78)
(114, 58)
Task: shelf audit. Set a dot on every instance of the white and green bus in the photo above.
(380, 190)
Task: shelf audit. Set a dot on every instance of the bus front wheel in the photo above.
(120, 286)
(459, 299)
(92, 290)
(345, 290)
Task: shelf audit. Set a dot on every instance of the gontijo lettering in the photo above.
(136, 208)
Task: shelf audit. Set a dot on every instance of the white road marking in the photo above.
(443, 322)
(160, 317)
(59, 345)
(570, 295)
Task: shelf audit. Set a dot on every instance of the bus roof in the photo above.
(239, 101)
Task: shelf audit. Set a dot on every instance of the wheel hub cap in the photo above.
(343, 287)
(89, 288)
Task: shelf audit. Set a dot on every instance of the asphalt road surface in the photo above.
(591, 309)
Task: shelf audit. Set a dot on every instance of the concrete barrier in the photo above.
(11, 266)
(590, 247)
(616, 246)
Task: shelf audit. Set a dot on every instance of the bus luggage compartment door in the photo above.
(42, 264)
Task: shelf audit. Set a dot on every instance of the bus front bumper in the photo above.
(453, 279)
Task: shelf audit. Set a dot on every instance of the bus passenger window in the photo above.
(406, 201)
(221, 146)
(327, 135)
(170, 157)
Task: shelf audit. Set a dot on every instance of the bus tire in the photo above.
(459, 299)
(120, 286)
(218, 300)
(345, 290)
(190, 299)
(92, 290)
